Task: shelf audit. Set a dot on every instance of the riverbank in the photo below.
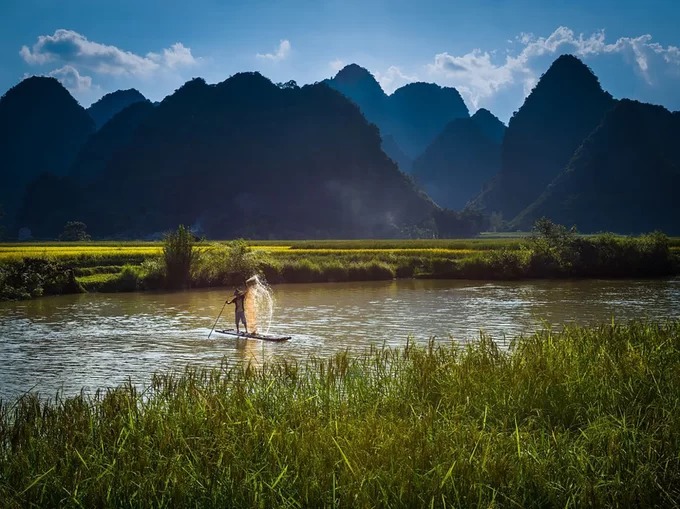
(583, 417)
(31, 270)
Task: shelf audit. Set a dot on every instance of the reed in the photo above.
(570, 418)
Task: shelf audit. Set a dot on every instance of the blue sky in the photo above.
(492, 51)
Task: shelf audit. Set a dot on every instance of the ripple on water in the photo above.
(96, 341)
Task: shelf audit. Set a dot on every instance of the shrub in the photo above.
(229, 264)
(554, 249)
(178, 252)
(34, 277)
(74, 231)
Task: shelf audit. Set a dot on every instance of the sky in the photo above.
(492, 51)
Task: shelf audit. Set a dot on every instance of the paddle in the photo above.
(218, 317)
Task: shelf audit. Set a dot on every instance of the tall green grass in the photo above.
(586, 417)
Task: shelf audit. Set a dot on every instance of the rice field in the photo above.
(132, 250)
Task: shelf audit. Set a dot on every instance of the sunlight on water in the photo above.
(259, 305)
(94, 341)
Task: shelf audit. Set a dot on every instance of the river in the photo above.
(93, 341)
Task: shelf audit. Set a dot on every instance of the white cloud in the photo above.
(393, 78)
(72, 79)
(73, 49)
(479, 76)
(336, 65)
(173, 57)
(281, 52)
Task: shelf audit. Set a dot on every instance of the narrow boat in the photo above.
(263, 337)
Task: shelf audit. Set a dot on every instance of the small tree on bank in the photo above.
(178, 253)
(74, 231)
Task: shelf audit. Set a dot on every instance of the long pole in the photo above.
(218, 317)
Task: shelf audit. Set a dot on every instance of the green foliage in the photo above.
(229, 264)
(178, 253)
(241, 262)
(501, 264)
(585, 417)
(554, 248)
(558, 252)
(74, 231)
(152, 273)
(551, 251)
(34, 277)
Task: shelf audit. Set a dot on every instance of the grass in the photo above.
(581, 417)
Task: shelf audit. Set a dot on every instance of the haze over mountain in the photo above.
(463, 157)
(623, 178)
(42, 128)
(106, 107)
(243, 158)
(410, 118)
(564, 107)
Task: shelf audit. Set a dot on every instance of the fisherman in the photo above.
(240, 313)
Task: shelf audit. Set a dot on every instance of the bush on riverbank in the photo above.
(225, 264)
(558, 252)
(34, 277)
(179, 255)
(583, 417)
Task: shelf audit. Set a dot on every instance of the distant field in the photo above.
(134, 252)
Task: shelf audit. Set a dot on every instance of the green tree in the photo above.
(179, 254)
(74, 231)
(554, 247)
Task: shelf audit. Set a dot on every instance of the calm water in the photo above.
(94, 341)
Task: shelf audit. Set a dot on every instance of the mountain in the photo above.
(490, 125)
(115, 135)
(624, 178)
(42, 128)
(106, 107)
(462, 158)
(418, 112)
(359, 85)
(410, 118)
(247, 158)
(565, 106)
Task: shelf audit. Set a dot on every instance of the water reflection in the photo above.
(93, 341)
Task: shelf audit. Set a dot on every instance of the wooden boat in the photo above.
(263, 337)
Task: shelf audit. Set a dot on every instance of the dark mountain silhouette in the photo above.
(106, 107)
(392, 149)
(103, 145)
(418, 112)
(42, 128)
(410, 118)
(490, 125)
(564, 107)
(624, 178)
(247, 158)
(356, 83)
(462, 158)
